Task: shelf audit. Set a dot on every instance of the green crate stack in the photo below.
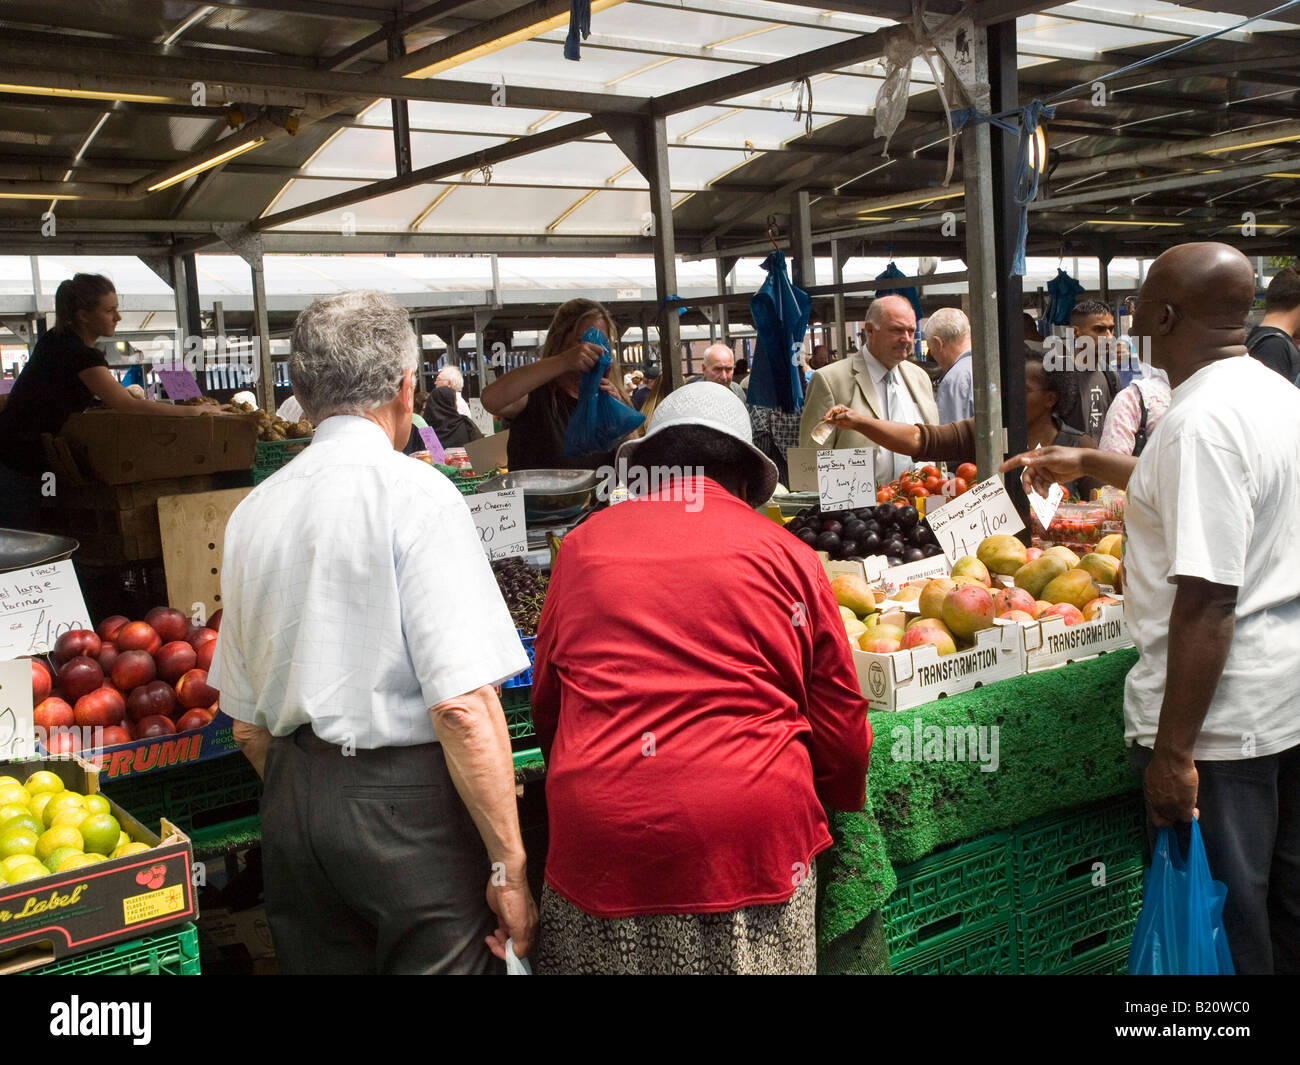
(1061, 852)
(273, 454)
(992, 949)
(517, 704)
(170, 954)
(193, 796)
(1083, 928)
(949, 898)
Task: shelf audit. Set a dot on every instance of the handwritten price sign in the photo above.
(180, 384)
(846, 478)
(499, 518)
(37, 606)
(985, 510)
(16, 726)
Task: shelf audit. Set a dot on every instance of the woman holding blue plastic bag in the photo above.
(539, 400)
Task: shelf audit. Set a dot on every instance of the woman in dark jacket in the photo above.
(452, 428)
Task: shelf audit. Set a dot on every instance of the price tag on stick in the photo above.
(37, 606)
(499, 518)
(432, 445)
(846, 478)
(983, 511)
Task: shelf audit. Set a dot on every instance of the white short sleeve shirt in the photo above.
(1216, 495)
(356, 596)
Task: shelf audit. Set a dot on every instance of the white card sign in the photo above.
(37, 606)
(985, 510)
(846, 478)
(16, 725)
(1045, 509)
(499, 518)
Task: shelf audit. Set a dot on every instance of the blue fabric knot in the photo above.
(680, 310)
(1027, 175)
(579, 23)
(970, 114)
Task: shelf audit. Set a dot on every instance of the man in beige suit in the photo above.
(878, 381)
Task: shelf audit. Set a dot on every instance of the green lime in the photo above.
(100, 833)
(17, 840)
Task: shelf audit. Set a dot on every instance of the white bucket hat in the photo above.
(711, 406)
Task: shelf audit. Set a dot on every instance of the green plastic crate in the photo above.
(173, 954)
(193, 796)
(950, 893)
(1109, 963)
(517, 704)
(271, 455)
(991, 950)
(1056, 854)
(1079, 929)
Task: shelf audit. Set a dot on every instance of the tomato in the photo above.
(929, 471)
(933, 483)
(884, 495)
(919, 491)
(959, 485)
(966, 472)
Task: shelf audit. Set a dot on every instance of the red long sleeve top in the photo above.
(697, 704)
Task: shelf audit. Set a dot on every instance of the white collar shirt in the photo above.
(356, 596)
(895, 405)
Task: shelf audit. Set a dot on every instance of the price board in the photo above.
(983, 511)
(846, 478)
(499, 518)
(180, 384)
(37, 606)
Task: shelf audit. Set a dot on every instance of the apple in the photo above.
(138, 636)
(113, 735)
(104, 706)
(149, 727)
(53, 713)
(176, 659)
(168, 623)
(42, 685)
(154, 699)
(201, 637)
(132, 669)
(206, 650)
(192, 719)
(76, 642)
(107, 656)
(62, 741)
(193, 690)
(108, 628)
(79, 676)
(214, 622)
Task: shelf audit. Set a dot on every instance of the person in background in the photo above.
(417, 417)
(1033, 338)
(656, 378)
(359, 667)
(451, 427)
(1095, 382)
(642, 392)
(451, 377)
(742, 369)
(720, 368)
(947, 333)
(1134, 414)
(821, 356)
(538, 399)
(638, 379)
(1212, 596)
(686, 796)
(1273, 341)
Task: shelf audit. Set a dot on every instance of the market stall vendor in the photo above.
(539, 399)
(693, 727)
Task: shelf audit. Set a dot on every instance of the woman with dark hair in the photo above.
(452, 428)
(539, 399)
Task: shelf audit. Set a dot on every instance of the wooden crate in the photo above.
(193, 529)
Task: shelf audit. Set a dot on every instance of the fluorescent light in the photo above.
(87, 94)
(1122, 222)
(39, 196)
(1283, 175)
(207, 164)
(1253, 144)
(525, 34)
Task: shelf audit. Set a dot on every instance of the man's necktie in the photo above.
(893, 403)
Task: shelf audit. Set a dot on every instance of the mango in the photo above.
(1110, 545)
(1034, 576)
(1101, 568)
(1005, 599)
(882, 640)
(918, 622)
(1092, 609)
(848, 614)
(970, 566)
(1074, 587)
(931, 633)
(852, 591)
(853, 629)
(1001, 554)
(889, 617)
(1021, 617)
(1067, 556)
(931, 601)
(967, 610)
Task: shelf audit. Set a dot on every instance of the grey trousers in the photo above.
(1250, 822)
(372, 863)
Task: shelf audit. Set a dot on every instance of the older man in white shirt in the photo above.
(359, 664)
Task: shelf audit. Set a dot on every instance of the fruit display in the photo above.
(896, 531)
(1075, 525)
(45, 828)
(524, 590)
(132, 679)
(269, 426)
(926, 481)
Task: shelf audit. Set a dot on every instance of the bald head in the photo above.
(1193, 305)
(719, 364)
(891, 330)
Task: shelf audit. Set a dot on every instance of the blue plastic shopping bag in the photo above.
(599, 421)
(1180, 930)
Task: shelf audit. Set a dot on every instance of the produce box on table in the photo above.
(119, 448)
(95, 901)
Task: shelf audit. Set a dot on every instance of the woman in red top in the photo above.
(696, 712)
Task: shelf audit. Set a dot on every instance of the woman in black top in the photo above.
(539, 399)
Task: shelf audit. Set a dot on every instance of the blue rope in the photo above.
(969, 114)
(1027, 176)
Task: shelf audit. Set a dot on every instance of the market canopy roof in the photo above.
(114, 109)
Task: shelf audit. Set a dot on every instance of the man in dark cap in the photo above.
(642, 392)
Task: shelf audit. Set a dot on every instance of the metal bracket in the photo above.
(629, 132)
(242, 241)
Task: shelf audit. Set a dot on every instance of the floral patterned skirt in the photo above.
(776, 939)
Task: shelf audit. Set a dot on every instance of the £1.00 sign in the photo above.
(985, 510)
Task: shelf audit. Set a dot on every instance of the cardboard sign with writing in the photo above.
(37, 606)
(432, 445)
(984, 511)
(16, 725)
(7, 385)
(180, 384)
(1045, 509)
(846, 478)
(499, 517)
(894, 577)
(802, 464)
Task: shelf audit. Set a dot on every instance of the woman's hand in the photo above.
(581, 357)
(842, 417)
(606, 385)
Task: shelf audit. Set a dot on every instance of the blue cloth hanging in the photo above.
(1061, 291)
(579, 23)
(781, 314)
(909, 294)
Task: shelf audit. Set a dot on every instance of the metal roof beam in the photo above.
(309, 8)
(427, 15)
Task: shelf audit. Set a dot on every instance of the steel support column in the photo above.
(266, 374)
(401, 116)
(803, 269)
(193, 323)
(665, 253)
(840, 254)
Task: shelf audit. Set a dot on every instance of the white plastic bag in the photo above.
(516, 966)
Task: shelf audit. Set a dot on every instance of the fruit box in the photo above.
(95, 905)
(1050, 643)
(904, 679)
(162, 752)
(119, 448)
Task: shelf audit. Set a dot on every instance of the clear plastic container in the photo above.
(1074, 523)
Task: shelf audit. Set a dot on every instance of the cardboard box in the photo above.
(487, 454)
(905, 679)
(164, 752)
(239, 931)
(96, 905)
(119, 448)
(1050, 643)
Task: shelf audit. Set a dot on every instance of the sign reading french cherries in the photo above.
(499, 518)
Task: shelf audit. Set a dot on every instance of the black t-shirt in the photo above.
(46, 392)
(1088, 413)
(1275, 349)
(537, 435)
